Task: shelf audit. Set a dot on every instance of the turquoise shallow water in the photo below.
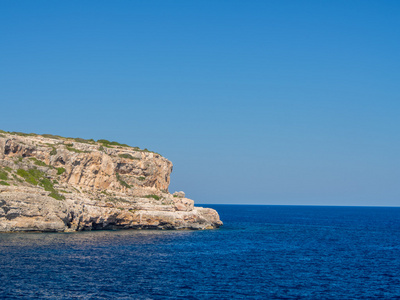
(262, 252)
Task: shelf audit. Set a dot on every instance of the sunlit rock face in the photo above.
(50, 183)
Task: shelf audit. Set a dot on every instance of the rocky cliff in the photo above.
(51, 183)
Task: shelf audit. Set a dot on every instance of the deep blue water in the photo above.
(262, 252)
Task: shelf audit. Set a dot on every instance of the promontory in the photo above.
(52, 183)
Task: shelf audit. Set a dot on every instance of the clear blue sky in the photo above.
(258, 102)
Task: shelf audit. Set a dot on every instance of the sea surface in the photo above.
(262, 252)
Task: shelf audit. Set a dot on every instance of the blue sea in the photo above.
(261, 252)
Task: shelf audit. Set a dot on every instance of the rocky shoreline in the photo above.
(57, 184)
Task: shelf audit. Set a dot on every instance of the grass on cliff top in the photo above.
(103, 142)
(107, 143)
(36, 177)
(17, 133)
(23, 134)
(80, 140)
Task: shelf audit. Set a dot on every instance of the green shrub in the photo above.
(38, 162)
(52, 136)
(108, 143)
(53, 151)
(31, 176)
(3, 175)
(153, 196)
(17, 178)
(60, 171)
(2, 135)
(141, 178)
(8, 169)
(123, 183)
(80, 140)
(126, 155)
(23, 134)
(47, 184)
(103, 141)
(4, 183)
(119, 144)
(56, 196)
(36, 173)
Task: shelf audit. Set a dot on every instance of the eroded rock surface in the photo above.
(50, 183)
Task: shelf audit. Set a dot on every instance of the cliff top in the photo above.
(100, 142)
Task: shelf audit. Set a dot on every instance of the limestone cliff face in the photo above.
(50, 183)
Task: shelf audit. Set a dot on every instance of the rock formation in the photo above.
(51, 183)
